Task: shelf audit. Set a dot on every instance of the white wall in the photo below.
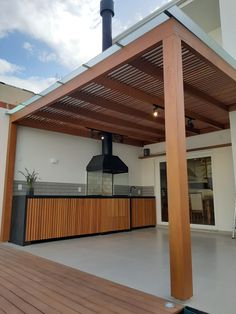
(197, 141)
(223, 187)
(35, 148)
(222, 168)
(216, 34)
(13, 95)
(4, 120)
(228, 25)
(232, 117)
(129, 154)
(148, 172)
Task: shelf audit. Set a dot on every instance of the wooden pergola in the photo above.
(168, 66)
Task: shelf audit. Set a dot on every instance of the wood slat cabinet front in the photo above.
(115, 214)
(143, 212)
(49, 218)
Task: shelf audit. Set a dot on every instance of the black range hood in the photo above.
(107, 163)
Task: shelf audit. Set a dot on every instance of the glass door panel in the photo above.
(201, 206)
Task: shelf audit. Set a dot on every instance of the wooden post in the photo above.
(178, 206)
(8, 184)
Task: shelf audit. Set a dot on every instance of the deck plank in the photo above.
(14, 299)
(31, 284)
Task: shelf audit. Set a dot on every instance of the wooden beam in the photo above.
(116, 107)
(140, 95)
(130, 91)
(8, 183)
(156, 72)
(205, 97)
(232, 107)
(72, 121)
(204, 52)
(83, 132)
(101, 117)
(136, 48)
(149, 69)
(177, 181)
(189, 150)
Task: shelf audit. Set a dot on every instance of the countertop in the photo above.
(84, 196)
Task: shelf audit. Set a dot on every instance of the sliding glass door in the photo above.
(201, 206)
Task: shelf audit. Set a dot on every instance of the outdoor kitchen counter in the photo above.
(44, 217)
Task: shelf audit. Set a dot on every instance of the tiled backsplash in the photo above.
(148, 191)
(53, 188)
(47, 188)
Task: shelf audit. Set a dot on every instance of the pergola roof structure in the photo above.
(163, 63)
(116, 91)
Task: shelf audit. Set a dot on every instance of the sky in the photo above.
(43, 40)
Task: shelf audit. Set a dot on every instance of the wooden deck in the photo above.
(31, 284)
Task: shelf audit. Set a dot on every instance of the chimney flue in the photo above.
(107, 143)
(107, 12)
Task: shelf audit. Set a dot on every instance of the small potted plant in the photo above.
(31, 178)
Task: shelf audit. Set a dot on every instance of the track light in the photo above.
(190, 123)
(155, 111)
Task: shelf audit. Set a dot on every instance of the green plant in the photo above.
(30, 177)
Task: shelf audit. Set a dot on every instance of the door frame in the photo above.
(157, 187)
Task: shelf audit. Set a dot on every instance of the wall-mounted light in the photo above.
(155, 111)
(102, 137)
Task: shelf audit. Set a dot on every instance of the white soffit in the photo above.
(203, 13)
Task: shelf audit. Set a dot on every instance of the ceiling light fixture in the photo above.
(155, 111)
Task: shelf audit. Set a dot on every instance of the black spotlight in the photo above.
(190, 123)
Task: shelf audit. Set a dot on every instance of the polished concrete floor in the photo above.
(139, 259)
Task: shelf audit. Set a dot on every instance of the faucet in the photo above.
(131, 189)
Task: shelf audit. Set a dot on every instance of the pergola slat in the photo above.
(140, 95)
(115, 106)
(137, 47)
(107, 118)
(97, 125)
(149, 69)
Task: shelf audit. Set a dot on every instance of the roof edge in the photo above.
(147, 19)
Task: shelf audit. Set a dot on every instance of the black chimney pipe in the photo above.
(106, 12)
(107, 163)
(106, 143)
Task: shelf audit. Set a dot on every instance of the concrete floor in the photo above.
(139, 259)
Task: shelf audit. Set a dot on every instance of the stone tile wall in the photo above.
(53, 188)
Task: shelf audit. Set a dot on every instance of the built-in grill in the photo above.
(107, 174)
